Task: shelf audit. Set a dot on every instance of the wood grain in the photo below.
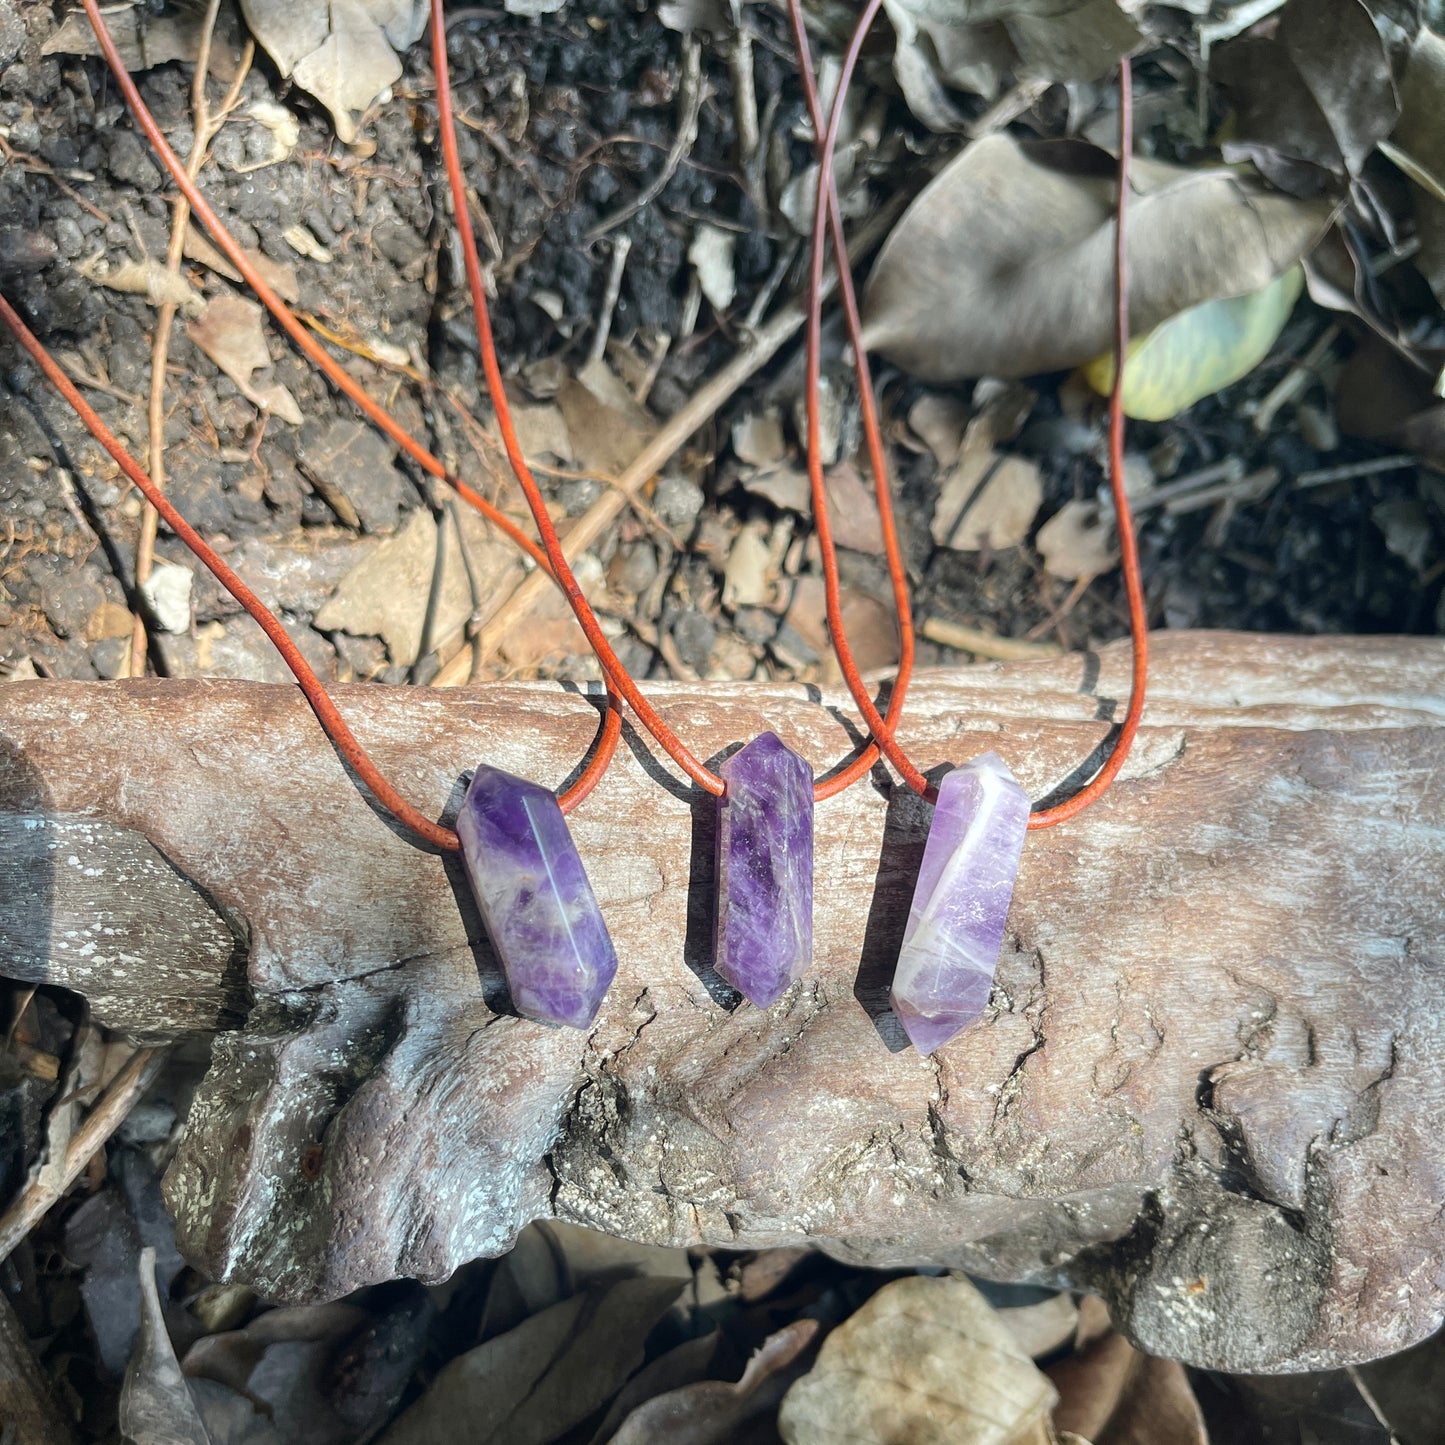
(1208, 1083)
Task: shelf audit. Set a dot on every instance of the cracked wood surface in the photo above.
(1208, 1084)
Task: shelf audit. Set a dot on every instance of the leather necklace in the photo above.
(528, 878)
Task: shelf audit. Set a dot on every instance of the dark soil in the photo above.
(564, 122)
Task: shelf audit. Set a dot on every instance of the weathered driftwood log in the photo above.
(1209, 1084)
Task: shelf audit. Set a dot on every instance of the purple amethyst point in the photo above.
(961, 901)
(765, 869)
(534, 897)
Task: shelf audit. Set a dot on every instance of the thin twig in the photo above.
(698, 411)
(984, 644)
(96, 383)
(1296, 381)
(108, 1115)
(205, 131)
(692, 97)
(1367, 1395)
(1372, 466)
(620, 247)
(37, 167)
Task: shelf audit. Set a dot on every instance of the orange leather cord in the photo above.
(611, 665)
(607, 741)
(882, 728)
(1128, 541)
(877, 455)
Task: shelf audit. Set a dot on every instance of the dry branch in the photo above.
(1209, 1085)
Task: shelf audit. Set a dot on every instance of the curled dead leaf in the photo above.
(1076, 542)
(1317, 93)
(969, 45)
(925, 1360)
(1003, 265)
(344, 52)
(146, 39)
(1111, 1394)
(155, 1403)
(712, 1412)
(1417, 146)
(1381, 397)
(231, 334)
(148, 278)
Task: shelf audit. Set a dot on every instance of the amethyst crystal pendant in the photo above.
(955, 926)
(765, 869)
(535, 900)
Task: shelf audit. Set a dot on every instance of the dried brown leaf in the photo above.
(350, 68)
(1419, 147)
(539, 1380)
(853, 510)
(231, 333)
(925, 1360)
(939, 422)
(1318, 91)
(386, 594)
(229, 1358)
(987, 500)
(151, 279)
(685, 1365)
(1076, 542)
(1003, 265)
(969, 44)
(1112, 1394)
(607, 427)
(746, 579)
(782, 485)
(146, 40)
(871, 626)
(279, 276)
(713, 1412)
(589, 1254)
(757, 438)
(343, 52)
(155, 1402)
(1381, 397)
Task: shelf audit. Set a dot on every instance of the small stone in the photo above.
(694, 634)
(577, 494)
(130, 163)
(111, 657)
(633, 568)
(354, 468)
(167, 592)
(765, 869)
(961, 901)
(69, 602)
(677, 501)
(539, 909)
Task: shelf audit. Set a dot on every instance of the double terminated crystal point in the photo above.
(535, 900)
(765, 869)
(548, 932)
(955, 926)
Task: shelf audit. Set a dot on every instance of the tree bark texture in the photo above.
(1208, 1085)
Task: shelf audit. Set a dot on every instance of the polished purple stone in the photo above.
(765, 869)
(535, 900)
(955, 926)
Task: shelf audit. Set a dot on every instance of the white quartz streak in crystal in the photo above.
(960, 904)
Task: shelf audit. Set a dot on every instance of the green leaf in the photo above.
(1199, 351)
